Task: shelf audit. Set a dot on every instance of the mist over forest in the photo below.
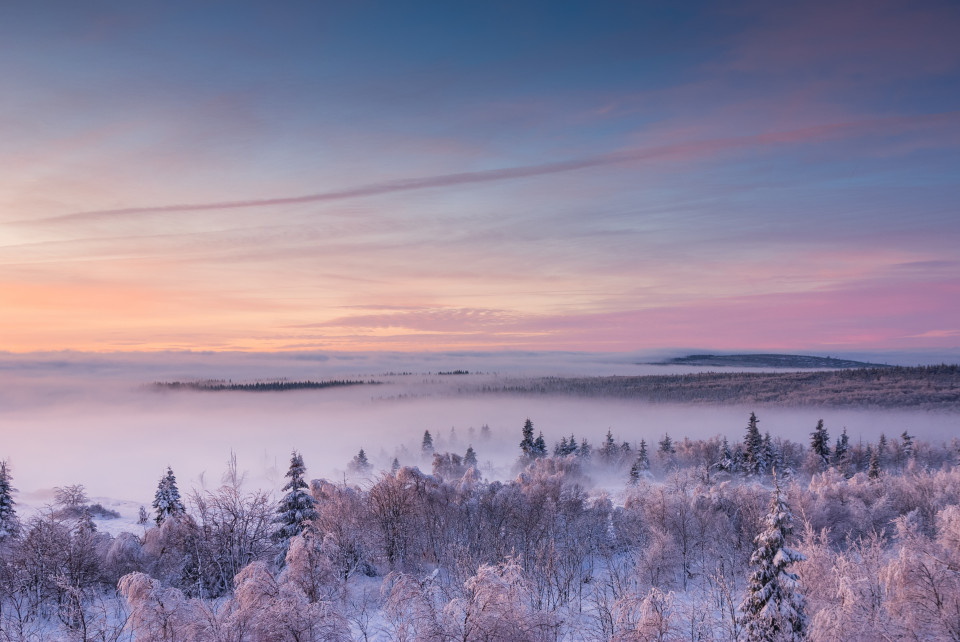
(441, 500)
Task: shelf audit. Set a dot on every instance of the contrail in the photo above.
(808, 134)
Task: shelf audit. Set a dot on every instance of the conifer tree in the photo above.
(906, 440)
(585, 450)
(725, 464)
(882, 448)
(841, 448)
(874, 471)
(820, 443)
(395, 466)
(360, 463)
(8, 515)
(427, 445)
(167, 500)
(296, 508)
(773, 608)
(527, 443)
(539, 446)
(642, 456)
(753, 448)
(470, 457)
(666, 446)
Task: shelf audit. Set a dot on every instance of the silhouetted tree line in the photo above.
(887, 387)
(260, 386)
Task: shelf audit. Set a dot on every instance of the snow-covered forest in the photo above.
(739, 537)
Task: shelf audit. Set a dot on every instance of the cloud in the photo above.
(676, 151)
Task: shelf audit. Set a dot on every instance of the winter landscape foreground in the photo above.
(450, 504)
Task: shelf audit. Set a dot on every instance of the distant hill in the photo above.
(768, 361)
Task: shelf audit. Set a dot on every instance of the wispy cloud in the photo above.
(684, 150)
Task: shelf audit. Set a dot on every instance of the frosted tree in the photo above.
(820, 443)
(874, 471)
(296, 508)
(725, 464)
(526, 444)
(167, 501)
(666, 446)
(359, 464)
(773, 608)
(641, 465)
(756, 464)
(426, 446)
(841, 450)
(8, 516)
(470, 458)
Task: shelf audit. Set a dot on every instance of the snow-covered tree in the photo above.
(8, 515)
(470, 458)
(820, 443)
(641, 465)
(841, 450)
(426, 446)
(755, 462)
(773, 609)
(725, 464)
(167, 500)
(526, 444)
(359, 464)
(296, 508)
(666, 446)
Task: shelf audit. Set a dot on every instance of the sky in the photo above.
(364, 176)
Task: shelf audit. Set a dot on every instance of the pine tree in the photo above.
(906, 441)
(470, 457)
(753, 447)
(874, 470)
(9, 524)
(585, 450)
(539, 446)
(642, 456)
(725, 464)
(608, 450)
(359, 464)
(427, 445)
(666, 446)
(841, 450)
(882, 447)
(143, 517)
(167, 500)
(395, 466)
(526, 444)
(773, 608)
(297, 506)
(820, 443)
(560, 449)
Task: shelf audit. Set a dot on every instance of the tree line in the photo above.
(763, 539)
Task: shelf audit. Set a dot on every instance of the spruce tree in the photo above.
(8, 515)
(906, 440)
(753, 447)
(359, 464)
(167, 500)
(526, 444)
(820, 443)
(725, 465)
(773, 608)
(841, 451)
(642, 456)
(470, 457)
(666, 446)
(395, 466)
(426, 446)
(882, 448)
(874, 470)
(539, 446)
(296, 508)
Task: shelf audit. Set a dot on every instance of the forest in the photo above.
(749, 538)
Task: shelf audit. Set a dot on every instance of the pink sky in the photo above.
(744, 177)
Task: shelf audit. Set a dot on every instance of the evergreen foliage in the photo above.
(755, 463)
(167, 502)
(8, 515)
(526, 444)
(359, 464)
(427, 445)
(773, 608)
(296, 508)
(666, 445)
(470, 457)
(820, 443)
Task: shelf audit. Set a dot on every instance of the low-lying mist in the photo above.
(100, 423)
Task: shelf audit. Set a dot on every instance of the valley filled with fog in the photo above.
(100, 422)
